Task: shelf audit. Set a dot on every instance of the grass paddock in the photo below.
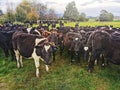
(62, 76)
(92, 23)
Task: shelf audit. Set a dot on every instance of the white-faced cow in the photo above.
(32, 46)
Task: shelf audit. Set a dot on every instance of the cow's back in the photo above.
(24, 43)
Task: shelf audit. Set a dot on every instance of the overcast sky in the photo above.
(90, 7)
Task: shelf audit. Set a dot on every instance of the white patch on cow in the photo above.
(37, 31)
(73, 60)
(85, 48)
(36, 60)
(17, 54)
(41, 59)
(76, 39)
(96, 62)
(102, 31)
(116, 32)
(47, 68)
(21, 63)
(37, 72)
(103, 64)
(47, 47)
(34, 55)
(110, 28)
(28, 29)
(39, 40)
(101, 55)
(37, 67)
(89, 56)
(82, 31)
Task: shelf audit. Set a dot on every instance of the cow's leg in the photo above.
(86, 53)
(47, 68)
(61, 49)
(78, 58)
(89, 56)
(17, 58)
(53, 56)
(36, 60)
(103, 60)
(91, 63)
(107, 62)
(6, 52)
(97, 60)
(12, 55)
(21, 63)
(94, 56)
(71, 56)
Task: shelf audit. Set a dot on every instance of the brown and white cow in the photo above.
(32, 46)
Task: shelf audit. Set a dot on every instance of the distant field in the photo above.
(114, 24)
(89, 23)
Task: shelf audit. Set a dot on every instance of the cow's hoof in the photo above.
(18, 67)
(37, 76)
(90, 70)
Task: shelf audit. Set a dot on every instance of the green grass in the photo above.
(89, 23)
(62, 76)
(92, 23)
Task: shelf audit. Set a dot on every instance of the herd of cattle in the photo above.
(99, 43)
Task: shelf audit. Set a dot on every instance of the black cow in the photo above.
(73, 42)
(6, 43)
(3, 44)
(107, 45)
(26, 45)
(60, 42)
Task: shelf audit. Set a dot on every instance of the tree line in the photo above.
(71, 13)
(28, 11)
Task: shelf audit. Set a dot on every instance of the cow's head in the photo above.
(76, 44)
(44, 50)
(53, 37)
(60, 38)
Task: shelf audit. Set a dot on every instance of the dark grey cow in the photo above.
(6, 43)
(73, 42)
(106, 44)
(32, 46)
